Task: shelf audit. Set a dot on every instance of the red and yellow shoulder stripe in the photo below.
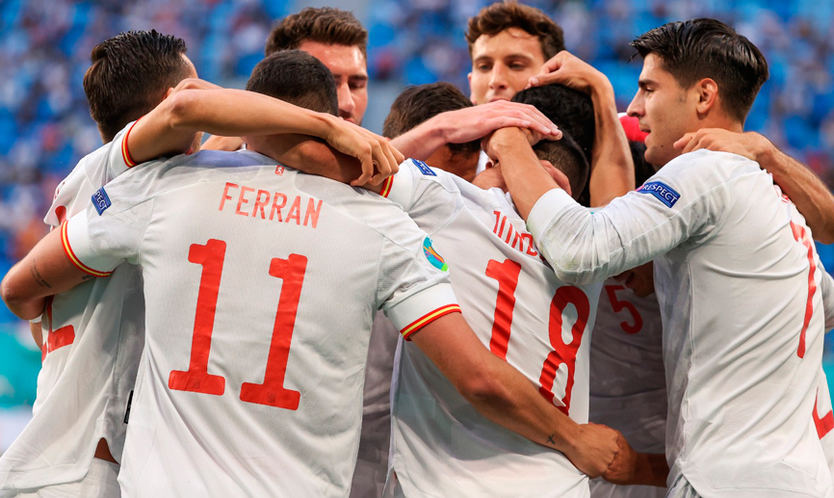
(126, 153)
(386, 186)
(72, 257)
(428, 318)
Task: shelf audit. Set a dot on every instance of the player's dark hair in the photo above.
(129, 75)
(419, 103)
(499, 16)
(571, 110)
(565, 155)
(326, 25)
(707, 48)
(298, 78)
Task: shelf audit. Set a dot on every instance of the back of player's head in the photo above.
(130, 74)
(499, 16)
(707, 48)
(326, 25)
(565, 155)
(571, 110)
(298, 78)
(419, 103)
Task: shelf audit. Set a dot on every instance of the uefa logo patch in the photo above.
(424, 168)
(663, 192)
(100, 200)
(433, 256)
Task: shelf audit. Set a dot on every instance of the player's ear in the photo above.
(558, 176)
(469, 80)
(169, 92)
(707, 90)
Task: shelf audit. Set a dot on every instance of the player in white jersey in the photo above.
(220, 460)
(91, 374)
(735, 270)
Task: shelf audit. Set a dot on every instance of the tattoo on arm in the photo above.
(551, 440)
(38, 278)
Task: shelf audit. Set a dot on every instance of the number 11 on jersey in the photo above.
(197, 379)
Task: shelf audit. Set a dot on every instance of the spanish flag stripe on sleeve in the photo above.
(386, 186)
(427, 319)
(126, 153)
(72, 257)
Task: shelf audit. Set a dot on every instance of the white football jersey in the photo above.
(823, 418)
(260, 287)
(92, 341)
(737, 278)
(441, 446)
(628, 383)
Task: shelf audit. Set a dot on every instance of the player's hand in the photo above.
(379, 159)
(595, 449)
(506, 136)
(750, 144)
(571, 71)
(474, 123)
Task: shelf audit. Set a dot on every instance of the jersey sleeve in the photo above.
(428, 195)
(119, 159)
(684, 201)
(414, 286)
(108, 232)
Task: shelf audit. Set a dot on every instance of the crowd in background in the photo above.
(45, 46)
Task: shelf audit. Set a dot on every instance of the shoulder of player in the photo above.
(704, 162)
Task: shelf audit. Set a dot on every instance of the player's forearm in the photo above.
(612, 168)
(37, 333)
(421, 141)
(309, 155)
(806, 190)
(526, 180)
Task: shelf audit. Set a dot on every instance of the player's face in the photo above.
(502, 64)
(640, 279)
(348, 66)
(665, 110)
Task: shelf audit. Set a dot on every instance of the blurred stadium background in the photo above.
(45, 126)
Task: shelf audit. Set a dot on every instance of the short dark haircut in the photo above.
(324, 25)
(130, 74)
(298, 78)
(499, 16)
(565, 155)
(571, 110)
(707, 48)
(418, 103)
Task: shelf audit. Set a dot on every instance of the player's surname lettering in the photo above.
(255, 202)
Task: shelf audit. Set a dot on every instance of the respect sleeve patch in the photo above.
(100, 200)
(664, 193)
(424, 168)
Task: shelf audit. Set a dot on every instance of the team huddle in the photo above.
(519, 293)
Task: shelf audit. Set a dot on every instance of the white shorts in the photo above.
(100, 482)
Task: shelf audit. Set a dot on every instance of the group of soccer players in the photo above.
(210, 313)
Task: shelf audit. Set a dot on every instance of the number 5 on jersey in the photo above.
(197, 379)
(507, 273)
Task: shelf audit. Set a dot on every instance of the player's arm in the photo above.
(471, 123)
(37, 333)
(811, 196)
(170, 128)
(45, 271)
(612, 168)
(506, 397)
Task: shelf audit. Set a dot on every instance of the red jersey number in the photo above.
(197, 379)
(507, 273)
(618, 305)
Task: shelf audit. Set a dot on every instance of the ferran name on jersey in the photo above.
(254, 202)
(664, 193)
(101, 200)
(433, 256)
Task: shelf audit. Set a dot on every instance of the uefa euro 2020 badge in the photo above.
(433, 256)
